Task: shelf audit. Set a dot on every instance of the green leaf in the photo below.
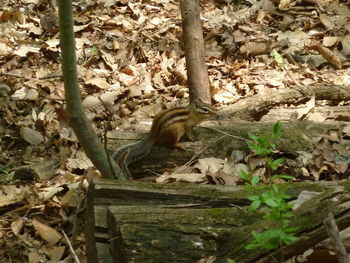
(255, 180)
(274, 188)
(244, 175)
(230, 261)
(283, 176)
(287, 215)
(5, 172)
(254, 205)
(292, 229)
(278, 161)
(94, 49)
(277, 128)
(253, 197)
(278, 58)
(251, 246)
(253, 137)
(271, 202)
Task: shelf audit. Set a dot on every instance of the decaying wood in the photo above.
(336, 113)
(215, 141)
(186, 222)
(90, 226)
(255, 107)
(334, 236)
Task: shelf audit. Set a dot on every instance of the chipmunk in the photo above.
(168, 127)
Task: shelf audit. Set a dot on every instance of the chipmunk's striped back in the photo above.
(167, 129)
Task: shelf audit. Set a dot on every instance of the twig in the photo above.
(52, 76)
(195, 155)
(334, 236)
(77, 210)
(12, 75)
(70, 247)
(302, 89)
(110, 115)
(225, 133)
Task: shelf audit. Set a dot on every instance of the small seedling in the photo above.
(279, 211)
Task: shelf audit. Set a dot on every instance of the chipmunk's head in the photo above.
(201, 110)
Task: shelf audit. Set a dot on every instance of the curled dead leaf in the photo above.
(211, 165)
(17, 226)
(32, 136)
(254, 48)
(328, 55)
(48, 233)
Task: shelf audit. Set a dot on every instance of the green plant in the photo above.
(279, 211)
(264, 145)
(4, 171)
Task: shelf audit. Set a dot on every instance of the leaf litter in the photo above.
(130, 54)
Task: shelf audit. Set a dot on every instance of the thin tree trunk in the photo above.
(197, 72)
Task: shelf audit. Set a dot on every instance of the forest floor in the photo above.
(130, 55)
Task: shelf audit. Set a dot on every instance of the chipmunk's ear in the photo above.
(196, 103)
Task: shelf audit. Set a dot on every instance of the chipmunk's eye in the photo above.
(205, 109)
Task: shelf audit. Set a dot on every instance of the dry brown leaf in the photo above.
(346, 130)
(254, 48)
(333, 136)
(32, 136)
(92, 174)
(17, 226)
(285, 4)
(230, 180)
(34, 257)
(47, 193)
(303, 111)
(56, 253)
(317, 116)
(328, 55)
(80, 161)
(135, 91)
(68, 134)
(209, 165)
(25, 94)
(12, 194)
(330, 41)
(69, 198)
(25, 49)
(8, 200)
(188, 178)
(101, 83)
(345, 41)
(48, 233)
(234, 169)
(341, 167)
(326, 21)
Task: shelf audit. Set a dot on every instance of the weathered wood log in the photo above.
(255, 107)
(185, 222)
(216, 141)
(339, 113)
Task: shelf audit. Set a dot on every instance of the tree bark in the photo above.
(185, 222)
(197, 72)
(80, 124)
(255, 107)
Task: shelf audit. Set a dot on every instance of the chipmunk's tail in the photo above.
(131, 153)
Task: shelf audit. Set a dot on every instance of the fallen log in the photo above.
(220, 140)
(255, 107)
(148, 222)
